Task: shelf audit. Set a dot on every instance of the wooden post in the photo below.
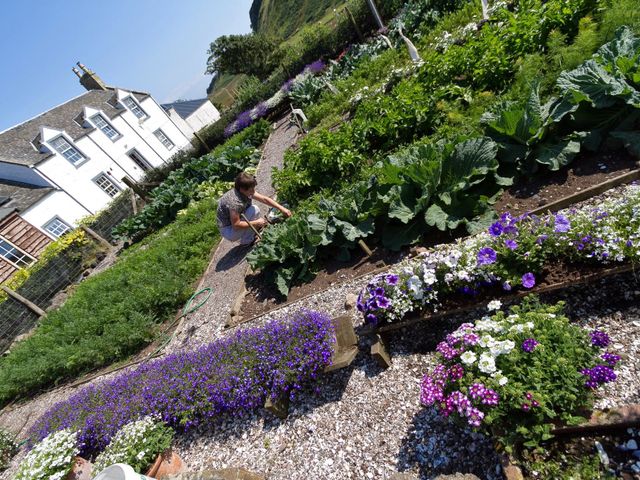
(380, 353)
(201, 140)
(134, 204)
(365, 248)
(27, 303)
(355, 25)
(133, 186)
(279, 407)
(346, 346)
(96, 237)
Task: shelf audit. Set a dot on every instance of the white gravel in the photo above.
(364, 422)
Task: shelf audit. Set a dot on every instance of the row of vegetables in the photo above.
(447, 185)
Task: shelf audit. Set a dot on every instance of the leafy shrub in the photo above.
(113, 314)
(231, 375)
(519, 375)
(50, 459)
(8, 448)
(137, 444)
(511, 254)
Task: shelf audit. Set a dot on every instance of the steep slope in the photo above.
(283, 17)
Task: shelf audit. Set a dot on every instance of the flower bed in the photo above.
(512, 255)
(519, 375)
(227, 376)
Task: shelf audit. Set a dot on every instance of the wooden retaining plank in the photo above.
(279, 407)
(587, 193)
(546, 289)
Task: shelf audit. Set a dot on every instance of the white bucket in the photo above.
(120, 471)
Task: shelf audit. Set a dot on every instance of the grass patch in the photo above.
(114, 314)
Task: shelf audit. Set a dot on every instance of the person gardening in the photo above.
(236, 204)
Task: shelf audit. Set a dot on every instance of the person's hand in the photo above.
(260, 222)
(286, 212)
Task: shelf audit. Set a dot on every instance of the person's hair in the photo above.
(245, 181)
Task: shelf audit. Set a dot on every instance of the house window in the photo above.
(14, 255)
(139, 160)
(164, 139)
(132, 105)
(56, 227)
(68, 151)
(100, 122)
(107, 185)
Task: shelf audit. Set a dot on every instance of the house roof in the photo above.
(185, 109)
(20, 196)
(16, 143)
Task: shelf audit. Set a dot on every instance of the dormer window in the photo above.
(67, 150)
(101, 123)
(133, 106)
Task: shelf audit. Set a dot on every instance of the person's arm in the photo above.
(237, 222)
(272, 203)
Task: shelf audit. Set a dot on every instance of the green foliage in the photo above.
(112, 315)
(180, 187)
(136, 444)
(8, 448)
(560, 466)
(283, 17)
(250, 54)
(444, 186)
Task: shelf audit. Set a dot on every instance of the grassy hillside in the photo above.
(223, 89)
(283, 18)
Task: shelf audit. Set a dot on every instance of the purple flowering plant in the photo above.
(501, 373)
(229, 376)
(512, 255)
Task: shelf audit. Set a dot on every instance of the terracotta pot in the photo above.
(81, 470)
(167, 463)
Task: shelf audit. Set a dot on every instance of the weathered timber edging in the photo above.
(344, 352)
(380, 351)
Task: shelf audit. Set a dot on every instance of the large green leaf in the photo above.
(558, 154)
(591, 82)
(469, 163)
(395, 237)
(622, 54)
(630, 140)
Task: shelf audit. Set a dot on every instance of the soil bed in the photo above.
(585, 171)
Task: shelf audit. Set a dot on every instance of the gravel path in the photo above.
(363, 422)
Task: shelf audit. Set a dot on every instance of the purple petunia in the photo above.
(611, 358)
(392, 279)
(529, 345)
(510, 244)
(598, 375)
(562, 224)
(486, 256)
(528, 280)
(383, 302)
(496, 229)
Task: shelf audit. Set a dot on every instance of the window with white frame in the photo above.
(67, 150)
(56, 227)
(100, 122)
(107, 185)
(14, 255)
(160, 135)
(136, 109)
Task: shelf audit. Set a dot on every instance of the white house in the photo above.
(192, 115)
(81, 150)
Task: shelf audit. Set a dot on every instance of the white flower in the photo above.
(512, 318)
(448, 277)
(486, 341)
(468, 358)
(429, 277)
(487, 325)
(487, 364)
(414, 285)
(518, 328)
(494, 305)
(499, 377)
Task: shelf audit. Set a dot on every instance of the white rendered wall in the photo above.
(184, 127)
(205, 115)
(55, 204)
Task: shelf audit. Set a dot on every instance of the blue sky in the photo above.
(157, 46)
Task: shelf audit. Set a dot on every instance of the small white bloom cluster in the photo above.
(134, 438)
(51, 459)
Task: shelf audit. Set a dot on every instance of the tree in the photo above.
(251, 54)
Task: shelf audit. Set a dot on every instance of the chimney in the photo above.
(89, 79)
